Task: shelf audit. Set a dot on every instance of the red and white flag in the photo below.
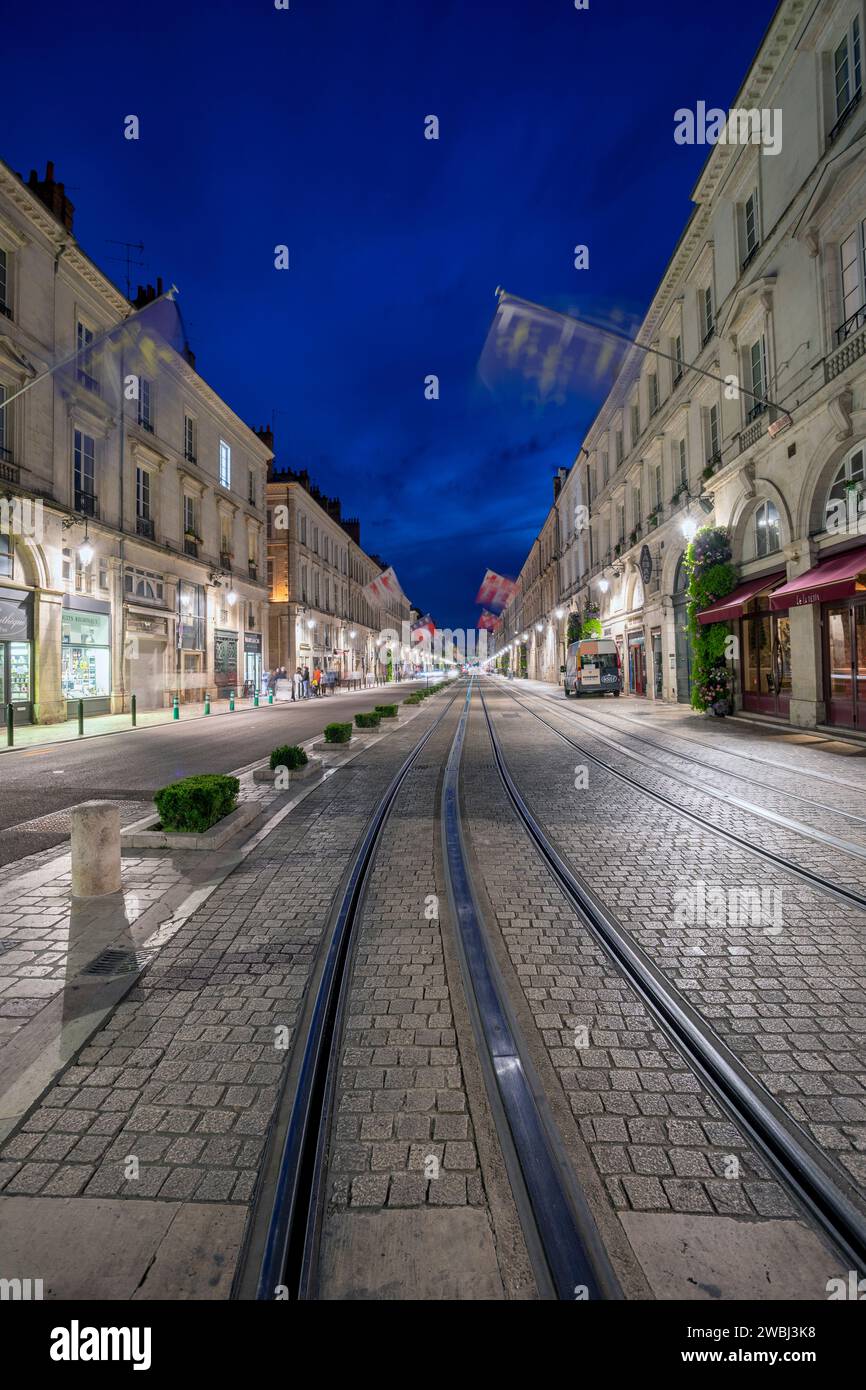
(385, 586)
(424, 629)
(495, 590)
(489, 621)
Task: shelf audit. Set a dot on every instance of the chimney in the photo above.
(52, 195)
(266, 435)
(352, 527)
(147, 294)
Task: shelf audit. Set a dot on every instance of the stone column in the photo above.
(49, 706)
(808, 706)
(119, 655)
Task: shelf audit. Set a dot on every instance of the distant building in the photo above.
(320, 612)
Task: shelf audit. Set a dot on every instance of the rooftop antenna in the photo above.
(127, 259)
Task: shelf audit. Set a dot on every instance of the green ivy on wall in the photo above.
(711, 577)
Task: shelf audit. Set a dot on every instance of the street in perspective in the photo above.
(433, 674)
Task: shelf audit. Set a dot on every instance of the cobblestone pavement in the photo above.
(788, 995)
(46, 940)
(183, 1076)
(404, 1136)
(667, 777)
(658, 1141)
(834, 807)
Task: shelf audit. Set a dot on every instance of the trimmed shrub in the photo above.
(371, 720)
(289, 756)
(194, 804)
(413, 699)
(387, 711)
(338, 733)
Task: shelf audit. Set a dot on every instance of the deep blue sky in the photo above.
(305, 127)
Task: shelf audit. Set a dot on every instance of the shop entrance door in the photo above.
(845, 653)
(637, 665)
(146, 676)
(658, 671)
(16, 681)
(766, 660)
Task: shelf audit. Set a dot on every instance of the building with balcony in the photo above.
(747, 407)
(144, 572)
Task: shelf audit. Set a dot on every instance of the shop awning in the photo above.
(733, 605)
(840, 576)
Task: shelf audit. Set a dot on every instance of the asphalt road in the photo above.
(37, 782)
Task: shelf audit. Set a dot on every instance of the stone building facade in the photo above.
(143, 570)
(748, 411)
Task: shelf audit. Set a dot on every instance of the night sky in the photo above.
(306, 127)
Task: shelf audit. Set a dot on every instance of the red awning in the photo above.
(733, 605)
(840, 576)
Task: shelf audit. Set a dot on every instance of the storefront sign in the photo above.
(252, 641)
(86, 629)
(151, 627)
(16, 610)
(645, 564)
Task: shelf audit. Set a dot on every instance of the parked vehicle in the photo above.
(593, 667)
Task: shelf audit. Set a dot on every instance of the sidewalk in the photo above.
(35, 735)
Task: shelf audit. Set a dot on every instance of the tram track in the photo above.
(850, 896)
(813, 1179)
(282, 1246)
(566, 1252)
(583, 713)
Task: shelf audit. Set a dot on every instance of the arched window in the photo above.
(851, 477)
(767, 532)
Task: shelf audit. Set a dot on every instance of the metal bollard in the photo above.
(95, 845)
(270, 697)
(80, 718)
(256, 700)
(231, 700)
(10, 726)
(207, 702)
(175, 709)
(134, 707)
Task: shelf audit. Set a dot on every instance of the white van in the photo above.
(592, 667)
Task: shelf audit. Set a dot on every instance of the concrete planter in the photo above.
(296, 774)
(142, 834)
(321, 746)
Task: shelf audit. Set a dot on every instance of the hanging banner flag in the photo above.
(385, 586)
(489, 621)
(424, 629)
(549, 356)
(495, 590)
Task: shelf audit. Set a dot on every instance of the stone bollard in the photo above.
(96, 849)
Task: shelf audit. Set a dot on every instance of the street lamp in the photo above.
(231, 598)
(560, 613)
(311, 623)
(690, 528)
(539, 627)
(604, 585)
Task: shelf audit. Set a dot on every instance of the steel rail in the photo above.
(778, 1138)
(582, 713)
(849, 896)
(561, 1234)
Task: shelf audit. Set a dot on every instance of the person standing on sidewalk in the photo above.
(306, 681)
